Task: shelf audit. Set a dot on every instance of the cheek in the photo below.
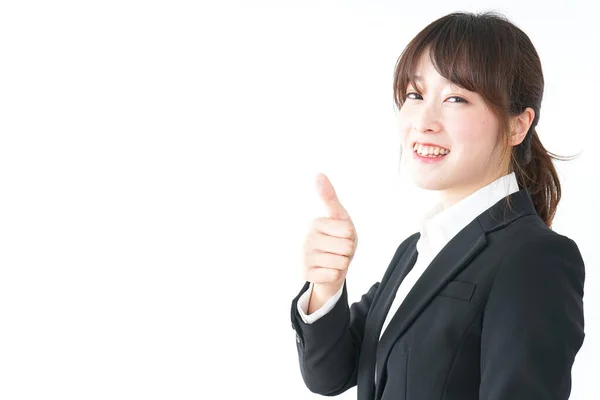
(473, 134)
(403, 125)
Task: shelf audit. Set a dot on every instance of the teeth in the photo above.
(430, 150)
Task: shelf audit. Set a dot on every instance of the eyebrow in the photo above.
(419, 78)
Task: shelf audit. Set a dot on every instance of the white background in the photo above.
(157, 165)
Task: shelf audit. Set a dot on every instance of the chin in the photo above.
(429, 183)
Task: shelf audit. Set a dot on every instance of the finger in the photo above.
(326, 260)
(328, 195)
(334, 227)
(330, 244)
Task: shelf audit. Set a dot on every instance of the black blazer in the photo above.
(497, 315)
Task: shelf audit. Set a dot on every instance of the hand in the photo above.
(330, 243)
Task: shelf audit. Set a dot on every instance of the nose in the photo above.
(426, 119)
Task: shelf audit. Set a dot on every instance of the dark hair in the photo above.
(487, 54)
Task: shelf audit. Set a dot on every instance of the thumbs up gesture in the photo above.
(329, 245)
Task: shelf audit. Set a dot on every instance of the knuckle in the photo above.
(334, 274)
(341, 262)
(345, 262)
(349, 231)
(349, 246)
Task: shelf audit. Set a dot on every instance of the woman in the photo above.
(486, 301)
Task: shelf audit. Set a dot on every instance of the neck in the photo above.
(449, 197)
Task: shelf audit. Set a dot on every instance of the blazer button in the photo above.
(297, 338)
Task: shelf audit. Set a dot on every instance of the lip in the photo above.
(426, 144)
(426, 160)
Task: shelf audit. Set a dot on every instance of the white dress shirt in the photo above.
(438, 227)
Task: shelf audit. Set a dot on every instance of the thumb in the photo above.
(329, 197)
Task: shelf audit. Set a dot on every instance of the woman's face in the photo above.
(454, 133)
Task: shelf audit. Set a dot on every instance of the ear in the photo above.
(520, 125)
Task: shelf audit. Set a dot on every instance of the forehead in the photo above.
(424, 60)
(424, 74)
(425, 70)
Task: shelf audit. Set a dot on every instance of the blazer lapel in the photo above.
(449, 262)
(443, 268)
(375, 320)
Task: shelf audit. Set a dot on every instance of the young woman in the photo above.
(486, 301)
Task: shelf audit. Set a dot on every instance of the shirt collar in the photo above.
(439, 226)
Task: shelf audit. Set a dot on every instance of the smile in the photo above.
(429, 150)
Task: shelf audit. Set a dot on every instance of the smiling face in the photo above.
(451, 139)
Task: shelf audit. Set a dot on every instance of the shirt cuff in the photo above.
(328, 306)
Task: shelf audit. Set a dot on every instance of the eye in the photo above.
(457, 99)
(414, 96)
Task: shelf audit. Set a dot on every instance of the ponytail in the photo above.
(534, 169)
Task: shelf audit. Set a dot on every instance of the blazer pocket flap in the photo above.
(458, 290)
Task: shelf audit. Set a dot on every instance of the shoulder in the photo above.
(533, 241)
(540, 262)
(537, 293)
(530, 237)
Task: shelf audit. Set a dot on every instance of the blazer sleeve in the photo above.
(533, 322)
(304, 300)
(329, 348)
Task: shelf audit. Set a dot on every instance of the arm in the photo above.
(328, 349)
(304, 300)
(533, 323)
